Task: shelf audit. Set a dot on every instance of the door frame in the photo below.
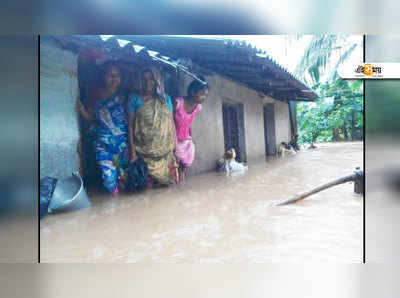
(269, 129)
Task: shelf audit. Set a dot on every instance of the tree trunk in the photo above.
(346, 136)
(353, 126)
(336, 136)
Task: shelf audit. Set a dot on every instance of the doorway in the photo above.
(234, 137)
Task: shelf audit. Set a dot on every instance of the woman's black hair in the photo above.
(105, 68)
(141, 75)
(196, 86)
(155, 74)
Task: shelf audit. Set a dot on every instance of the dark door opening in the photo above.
(234, 137)
(88, 76)
(269, 129)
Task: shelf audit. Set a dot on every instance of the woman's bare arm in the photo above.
(174, 105)
(131, 129)
(86, 113)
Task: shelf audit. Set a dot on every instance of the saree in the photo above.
(110, 141)
(154, 138)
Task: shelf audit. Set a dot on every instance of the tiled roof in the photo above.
(237, 60)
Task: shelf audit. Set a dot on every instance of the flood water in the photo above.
(219, 218)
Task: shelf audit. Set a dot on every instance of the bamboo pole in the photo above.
(302, 196)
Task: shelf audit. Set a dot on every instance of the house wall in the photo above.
(208, 131)
(282, 122)
(59, 129)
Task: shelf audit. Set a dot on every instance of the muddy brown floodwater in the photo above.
(219, 218)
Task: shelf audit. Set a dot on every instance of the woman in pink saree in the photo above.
(185, 111)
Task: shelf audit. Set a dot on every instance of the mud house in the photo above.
(251, 103)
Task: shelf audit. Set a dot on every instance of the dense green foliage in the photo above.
(335, 116)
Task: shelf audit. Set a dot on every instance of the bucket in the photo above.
(69, 195)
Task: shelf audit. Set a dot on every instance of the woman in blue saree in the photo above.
(106, 113)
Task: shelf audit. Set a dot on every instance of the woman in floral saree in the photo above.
(151, 129)
(105, 112)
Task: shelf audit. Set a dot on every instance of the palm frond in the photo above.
(316, 57)
(341, 60)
